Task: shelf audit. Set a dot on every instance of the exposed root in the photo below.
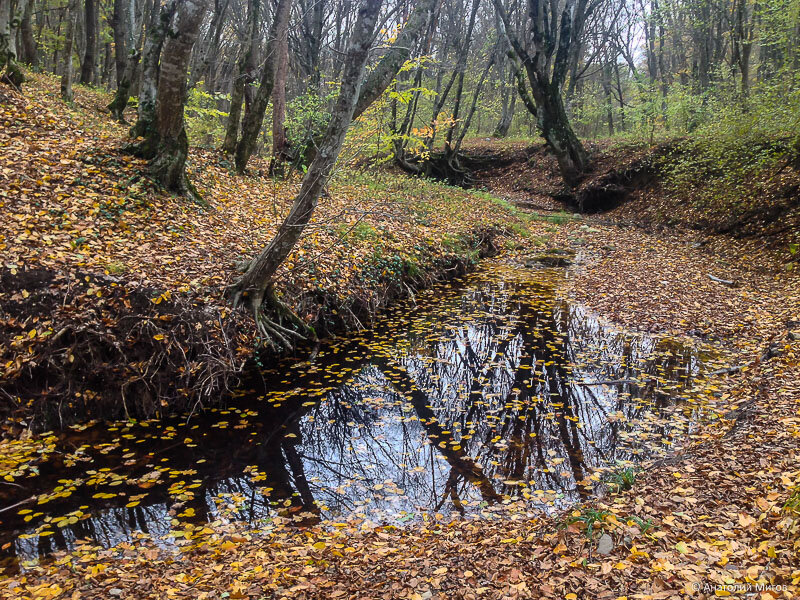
(452, 169)
(269, 313)
(125, 357)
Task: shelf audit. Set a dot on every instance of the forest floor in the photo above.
(719, 518)
(113, 293)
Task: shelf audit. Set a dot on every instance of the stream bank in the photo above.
(488, 390)
(112, 293)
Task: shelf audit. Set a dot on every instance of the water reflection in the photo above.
(492, 389)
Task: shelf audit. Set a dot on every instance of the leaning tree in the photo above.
(255, 289)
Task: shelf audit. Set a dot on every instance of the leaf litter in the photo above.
(716, 515)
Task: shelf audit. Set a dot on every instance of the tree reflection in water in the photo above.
(493, 389)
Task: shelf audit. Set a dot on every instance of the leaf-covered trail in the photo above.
(721, 518)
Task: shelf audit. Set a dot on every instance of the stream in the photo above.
(489, 388)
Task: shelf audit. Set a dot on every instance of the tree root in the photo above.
(269, 314)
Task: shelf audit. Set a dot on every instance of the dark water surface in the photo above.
(490, 388)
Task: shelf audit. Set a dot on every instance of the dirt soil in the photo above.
(628, 184)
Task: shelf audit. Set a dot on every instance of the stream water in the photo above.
(489, 388)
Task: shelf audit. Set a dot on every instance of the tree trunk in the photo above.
(120, 23)
(167, 145)
(246, 65)
(30, 54)
(254, 119)
(56, 47)
(160, 20)
(108, 65)
(255, 285)
(90, 54)
(509, 99)
(313, 19)
(557, 131)
(605, 82)
(123, 93)
(10, 71)
(279, 148)
(234, 115)
(69, 36)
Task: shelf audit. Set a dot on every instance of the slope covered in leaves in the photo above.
(719, 518)
(95, 256)
(747, 186)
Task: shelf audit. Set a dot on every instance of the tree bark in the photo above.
(90, 55)
(57, 47)
(69, 38)
(160, 20)
(509, 99)
(279, 147)
(10, 71)
(234, 115)
(246, 65)
(120, 24)
(254, 118)
(167, 145)
(605, 83)
(123, 93)
(30, 54)
(255, 285)
(313, 17)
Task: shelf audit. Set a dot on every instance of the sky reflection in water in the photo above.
(490, 388)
